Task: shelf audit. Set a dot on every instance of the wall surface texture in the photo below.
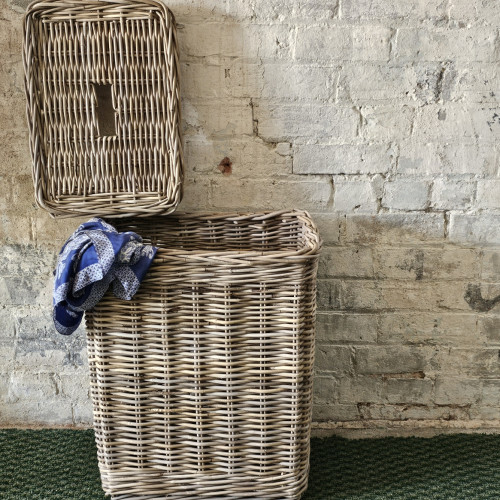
(381, 118)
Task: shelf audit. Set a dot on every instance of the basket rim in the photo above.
(309, 249)
(89, 5)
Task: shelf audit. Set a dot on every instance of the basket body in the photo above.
(202, 383)
(103, 107)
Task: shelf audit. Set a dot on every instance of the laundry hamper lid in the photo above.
(103, 106)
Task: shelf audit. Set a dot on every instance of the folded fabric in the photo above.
(95, 256)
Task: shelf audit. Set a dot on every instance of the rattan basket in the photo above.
(202, 383)
(103, 107)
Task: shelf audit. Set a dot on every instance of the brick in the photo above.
(225, 79)
(394, 228)
(333, 359)
(480, 230)
(313, 9)
(406, 195)
(422, 44)
(278, 123)
(23, 290)
(82, 413)
(486, 123)
(329, 226)
(458, 158)
(391, 359)
(434, 82)
(456, 122)
(34, 324)
(476, 82)
(52, 233)
(457, 391)
(346, 262)
(338, 43)
(229, 39)
(483, 297)
(215, 39)
(375, 82)
(241, 79)
(483, 413)
(328, 297)
(386, 122)
(26, 386)
(416, 391)
(217, 121)
(372, 296)
(335, 412)
(325, 390)
(448, 194)
(250, 158)
(43, 355)
(16, 260)
(4, 386)
(347, 328)
(7, 351)
(16, 229)
(28, 412)
(293, 82)
(275, 41)
(7, 323)
(425, 411)
(380, 390)
(488, 195)
(455, 329)
(487, 11)
(342, 159)
(489, 328)
(429, 296)
(211, 10)
(467, 362)
(76, 388)
(256, 195)
(13, 113)
(360, 196)
(14, 151)
(422, 263)
(14, 187)
(490, 393)
(490, 265)
(361, 296)
(465, 11)
(197, 195)
(392, 9)
(400, 263)
(432, 158)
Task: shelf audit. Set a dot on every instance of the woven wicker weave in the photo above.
(202, 383)
(103, 107)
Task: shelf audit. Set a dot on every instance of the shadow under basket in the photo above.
(201, 384)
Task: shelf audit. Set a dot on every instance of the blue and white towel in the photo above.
(95, 256)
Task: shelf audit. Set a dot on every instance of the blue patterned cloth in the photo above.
(95, 256)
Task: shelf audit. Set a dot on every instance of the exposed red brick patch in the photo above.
(225, 166)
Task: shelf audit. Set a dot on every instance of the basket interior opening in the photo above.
(282, 232)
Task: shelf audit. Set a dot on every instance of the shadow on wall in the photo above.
(236, 79)
(221, 77)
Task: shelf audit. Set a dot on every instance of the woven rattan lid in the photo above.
(102, 84)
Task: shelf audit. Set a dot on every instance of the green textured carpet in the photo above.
(62, 465)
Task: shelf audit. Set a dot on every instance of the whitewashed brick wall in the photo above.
(381, 118)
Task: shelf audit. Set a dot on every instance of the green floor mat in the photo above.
(62, 465)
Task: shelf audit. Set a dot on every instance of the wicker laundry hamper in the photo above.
(202, 383)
